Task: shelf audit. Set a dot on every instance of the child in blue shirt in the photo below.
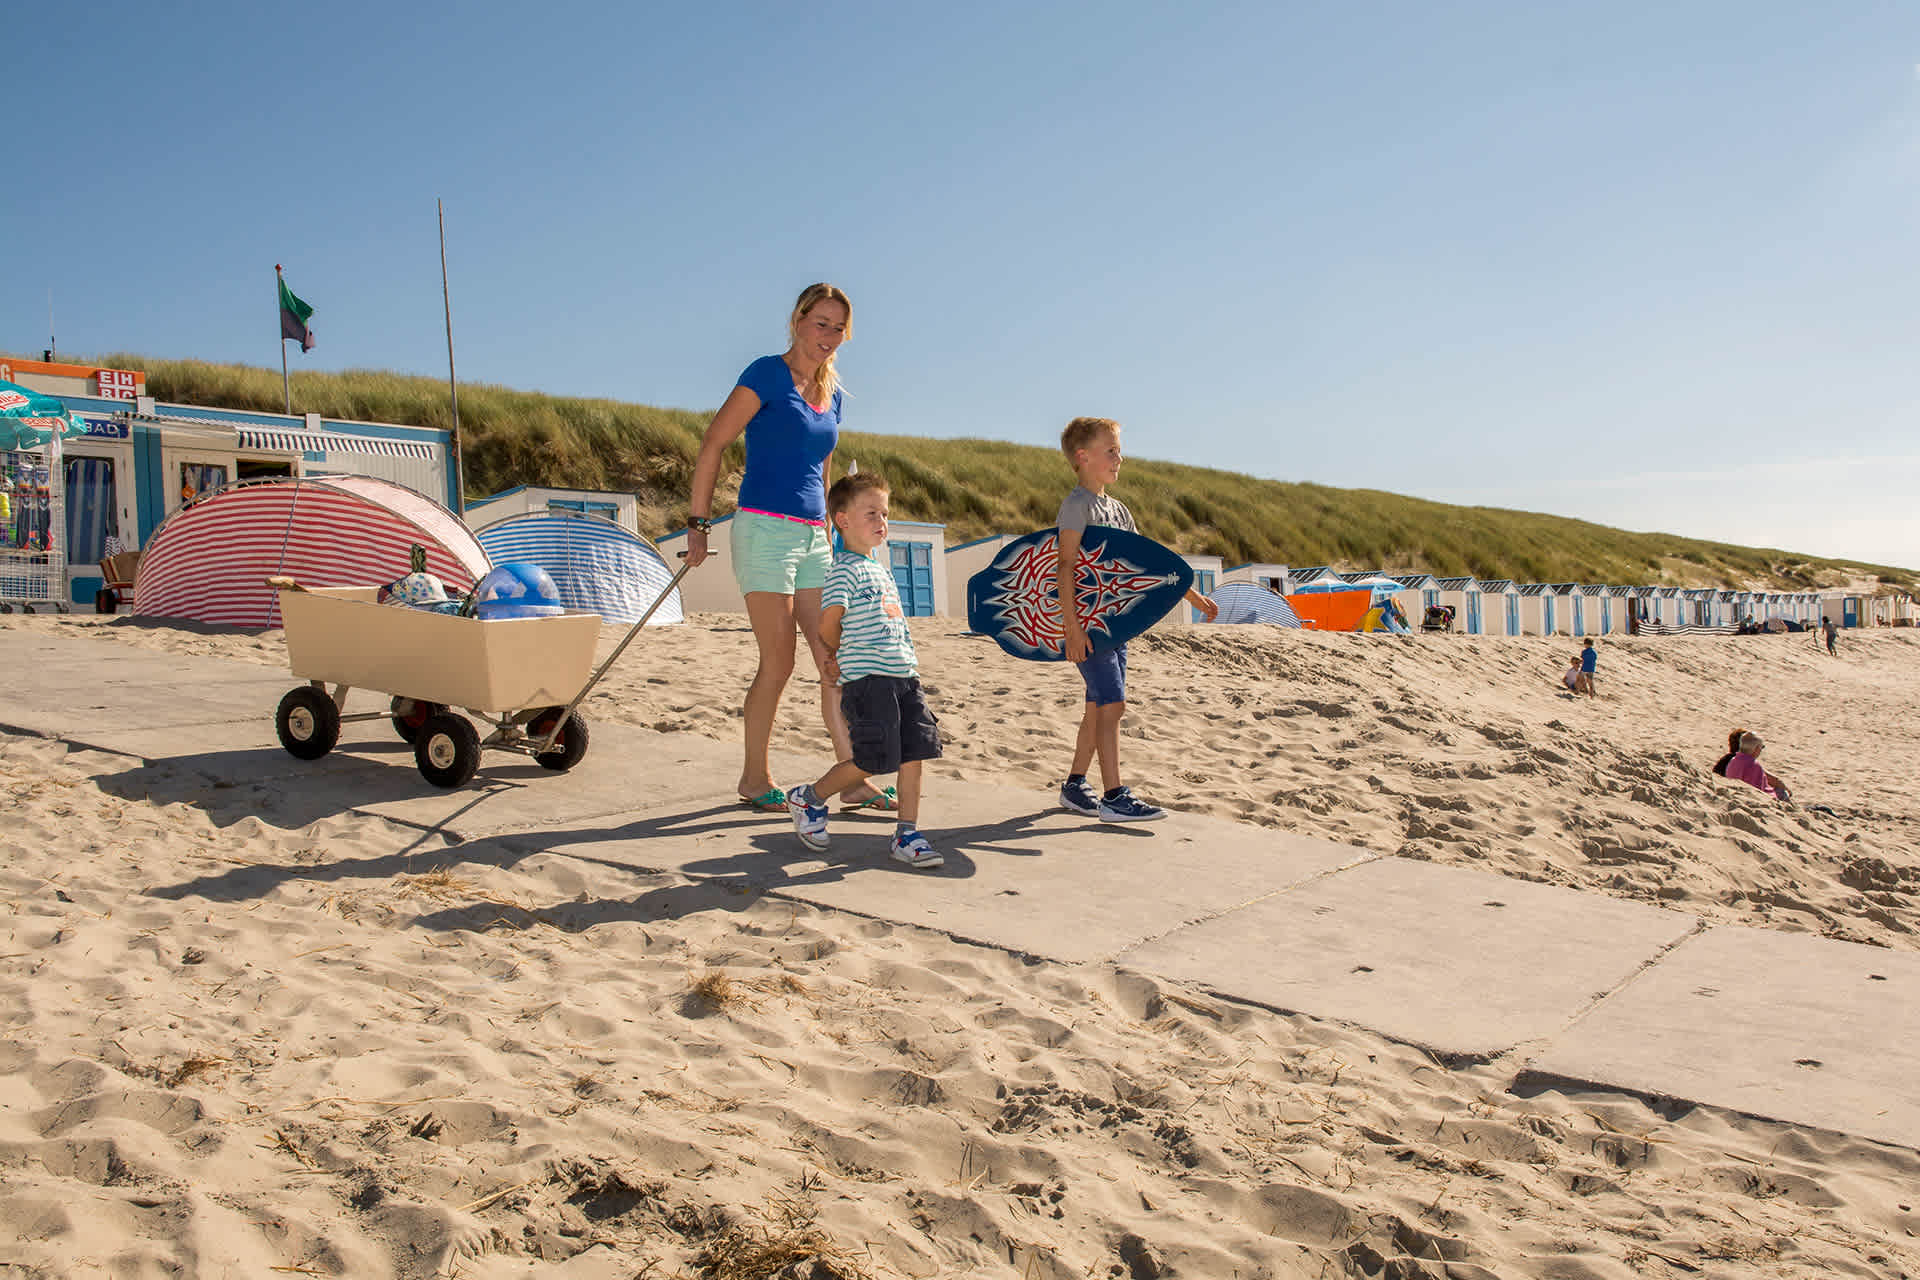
(865, 630)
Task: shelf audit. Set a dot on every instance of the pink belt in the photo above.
(755, 511)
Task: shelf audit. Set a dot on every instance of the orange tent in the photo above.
(1332, 610)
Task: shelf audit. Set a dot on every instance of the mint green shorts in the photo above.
(771, 553)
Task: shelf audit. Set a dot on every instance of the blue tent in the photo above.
(597, 565)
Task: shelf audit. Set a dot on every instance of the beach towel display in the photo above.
(209, 561)
(33, 541)
(1251, 602)
(597, 566)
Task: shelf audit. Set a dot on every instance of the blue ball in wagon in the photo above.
(517, 589)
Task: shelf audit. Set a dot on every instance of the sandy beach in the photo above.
(222, 1058)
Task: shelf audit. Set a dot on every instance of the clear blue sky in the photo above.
(1650, 264)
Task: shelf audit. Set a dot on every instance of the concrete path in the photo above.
(1573, 987)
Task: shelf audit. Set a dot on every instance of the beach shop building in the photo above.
(139, 460)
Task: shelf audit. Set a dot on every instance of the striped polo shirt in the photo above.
(873, 632)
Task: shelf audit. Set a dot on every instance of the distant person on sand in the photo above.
(1830, 631)
(1571, 676)
(1745, 767)
(1092, 446)
(1733, 749)
(788, 408)
(1589, 659)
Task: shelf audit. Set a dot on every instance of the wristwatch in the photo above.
(700, 524)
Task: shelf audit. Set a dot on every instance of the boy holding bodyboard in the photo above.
(1092, 446)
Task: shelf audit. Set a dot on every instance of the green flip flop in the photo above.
(885, 800)
(772, 800)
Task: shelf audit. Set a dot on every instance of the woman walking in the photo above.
(788, 408)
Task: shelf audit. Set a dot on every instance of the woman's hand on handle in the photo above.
(696, 551)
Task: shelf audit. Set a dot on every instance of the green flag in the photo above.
(294, 315)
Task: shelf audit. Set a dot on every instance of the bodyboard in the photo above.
(1123, 584)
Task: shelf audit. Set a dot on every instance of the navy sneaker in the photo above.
(1121, 806)
(809, 818)
(1081, 798)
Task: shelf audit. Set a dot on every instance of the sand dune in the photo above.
(354, 1049)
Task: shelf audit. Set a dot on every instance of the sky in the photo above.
(1654, 265)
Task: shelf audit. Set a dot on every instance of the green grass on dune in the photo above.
(980, 487)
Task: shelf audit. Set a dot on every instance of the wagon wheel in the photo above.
(568, 748)
(447, 749)
(308, 723)
(410, 713)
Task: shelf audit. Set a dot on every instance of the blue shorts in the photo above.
(1106, 676)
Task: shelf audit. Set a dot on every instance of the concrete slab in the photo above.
(626, 770)
(1784, 1026)
(1463, 962)
(1022, 874)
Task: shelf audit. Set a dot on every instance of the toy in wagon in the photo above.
(418, 589)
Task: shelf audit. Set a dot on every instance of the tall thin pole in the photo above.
(53, 344)
(285, 392)
(453, 386)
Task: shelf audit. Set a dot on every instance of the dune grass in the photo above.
(980, 487)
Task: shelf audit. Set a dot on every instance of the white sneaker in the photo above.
(809, 819)
(914, 850)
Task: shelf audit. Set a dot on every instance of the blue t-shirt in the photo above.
(786, 443)
(1588, 657)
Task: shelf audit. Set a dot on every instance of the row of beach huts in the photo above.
(140, 461)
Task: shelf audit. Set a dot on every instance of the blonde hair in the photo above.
(826, 379)
(1751, 744)
(1082, 432)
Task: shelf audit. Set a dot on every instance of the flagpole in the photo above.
(453, 386)
(285, 392)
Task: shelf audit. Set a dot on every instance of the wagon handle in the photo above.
(553, 735)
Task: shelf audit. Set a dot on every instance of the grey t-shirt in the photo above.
(1084, 507)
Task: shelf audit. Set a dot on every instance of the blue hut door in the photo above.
(1850, 612)
(1579, 615)
(1546, 616)
(1203, 583)
(912, 564)
(1513, 615)
(1606, 616)
(1473, 613)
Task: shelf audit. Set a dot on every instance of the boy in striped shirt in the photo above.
(873, 662)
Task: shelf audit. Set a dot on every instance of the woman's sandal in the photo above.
(886, 800)
(772, 800)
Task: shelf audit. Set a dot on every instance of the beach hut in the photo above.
(598, 566)
(1277, 578)
(1538, 616)
(1571, 604)
(1206, 580)
(209, 560)
(1500, 606)
(1463, 594)
(622, 509)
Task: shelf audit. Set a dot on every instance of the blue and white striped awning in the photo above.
(301, 441)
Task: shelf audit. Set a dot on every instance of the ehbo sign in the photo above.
(117, 384)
